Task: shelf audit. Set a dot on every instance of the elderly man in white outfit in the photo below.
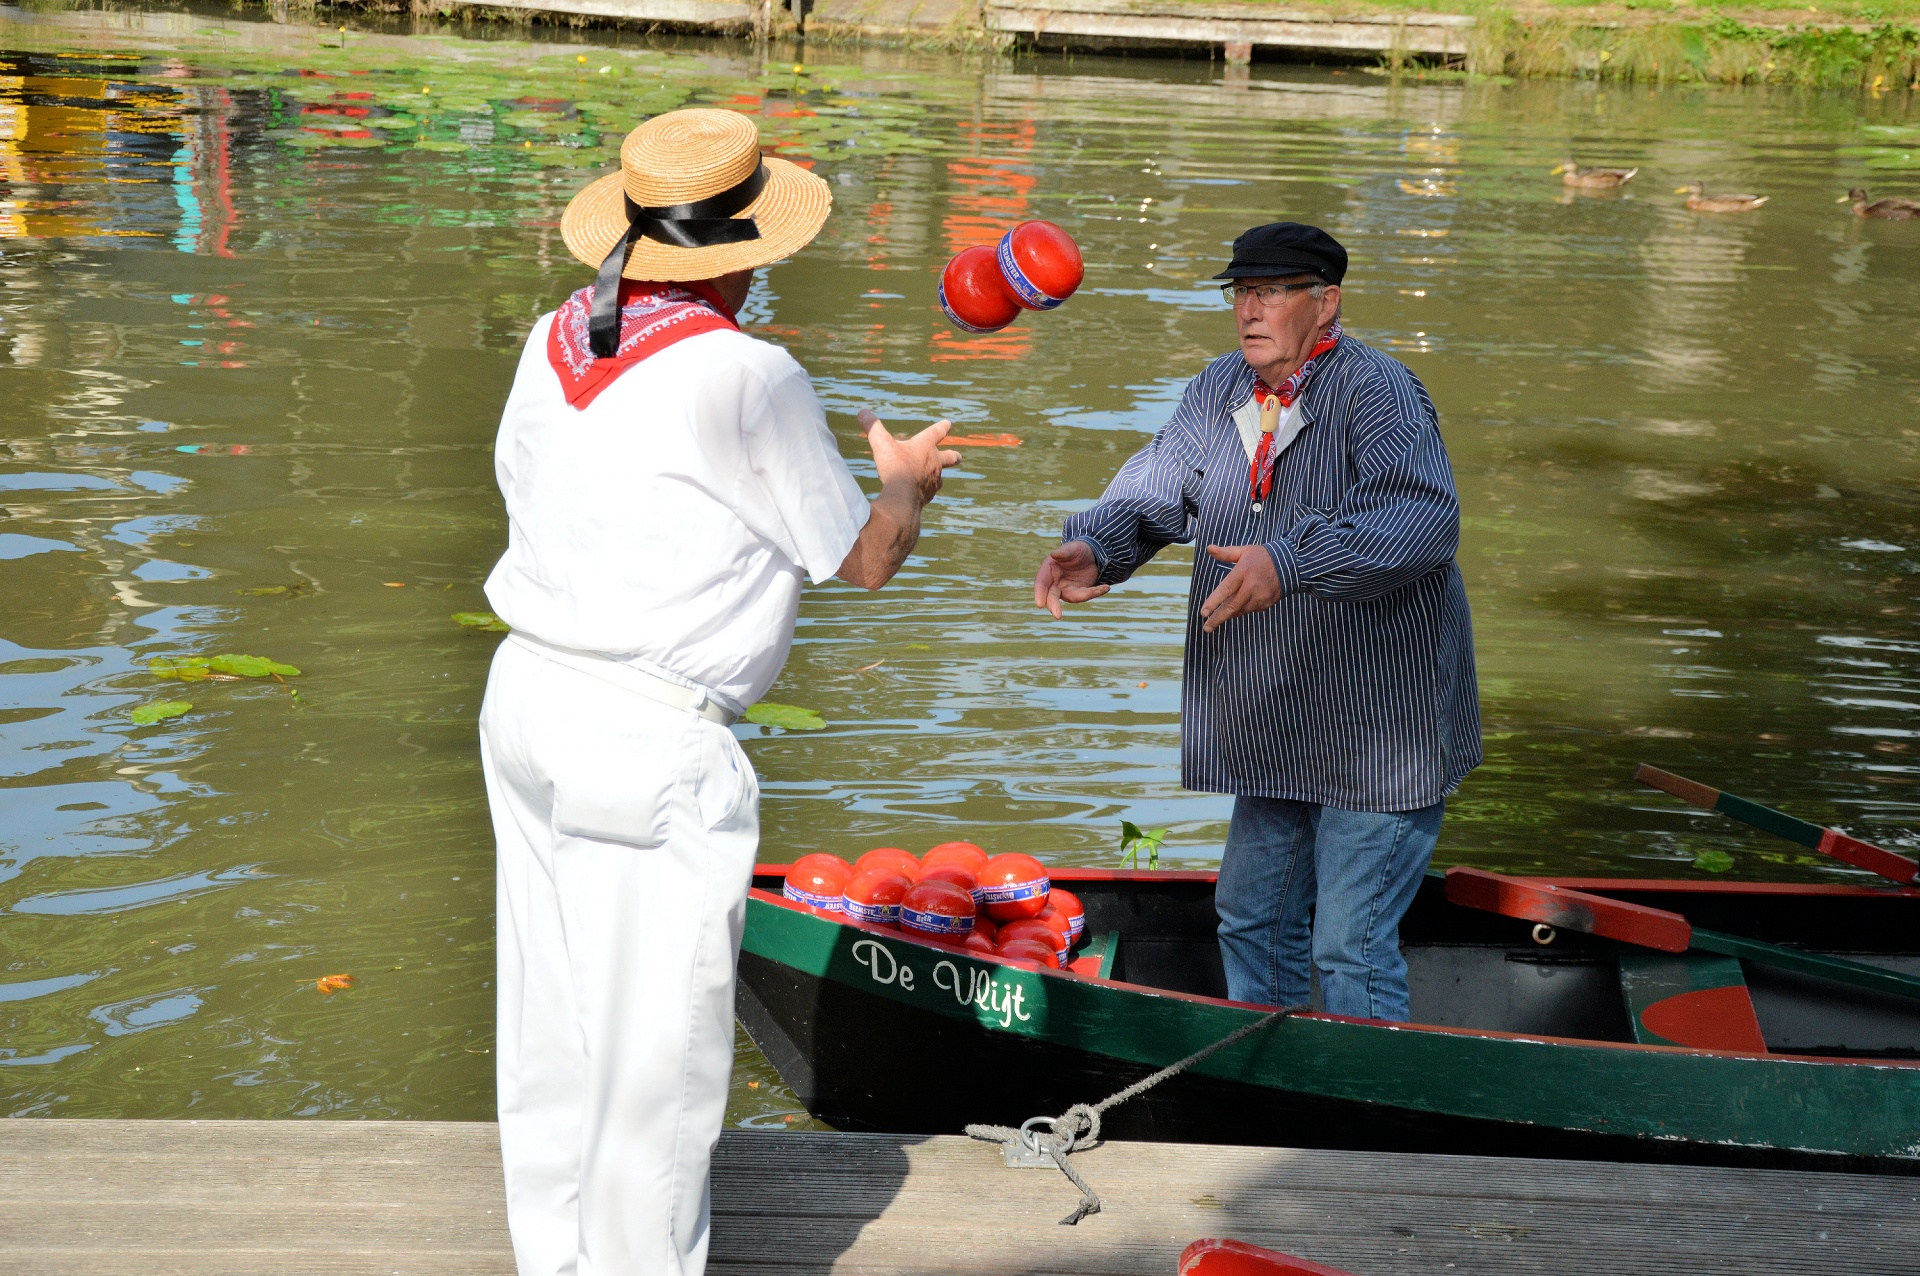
(668, 481)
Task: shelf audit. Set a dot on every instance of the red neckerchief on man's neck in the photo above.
(652, 317)
(1260, 473)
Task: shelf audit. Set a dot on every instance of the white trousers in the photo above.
(627, 832)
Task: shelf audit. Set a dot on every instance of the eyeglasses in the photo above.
(1265, 294)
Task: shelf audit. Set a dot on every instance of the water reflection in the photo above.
(262, 297)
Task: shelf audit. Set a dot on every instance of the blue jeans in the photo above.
(1299, 878)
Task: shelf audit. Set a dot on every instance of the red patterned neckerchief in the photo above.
(1260, 473)
(652, 317)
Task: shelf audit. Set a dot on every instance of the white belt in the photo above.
(652, 686)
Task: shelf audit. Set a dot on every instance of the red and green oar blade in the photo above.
(1850, 850)
(1568, 909)
(1565, 909)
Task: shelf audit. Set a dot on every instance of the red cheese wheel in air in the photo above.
(953, 873)
(873, 896)
(974, 293)
(937, 910)
(818, 881)
(1035, 929)
(965, 854)
(1028, 950)
(1041, 264)
(889, 857)
(1015, 886)
(977, 943)
(1069, 906)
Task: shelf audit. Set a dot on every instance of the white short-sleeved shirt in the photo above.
(667, 524)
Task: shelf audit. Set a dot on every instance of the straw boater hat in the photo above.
(683, 177)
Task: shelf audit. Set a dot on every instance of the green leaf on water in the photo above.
(1713, 861)
(262, 591)
(785, 716)
(185, 668)
(485, 621)
(444, 148)
(251, 666)
(160, 710)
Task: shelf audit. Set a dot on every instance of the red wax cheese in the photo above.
(1057, 920)
(977, 943)
(873, 896)
(818, 881)
(1028, 950)
(958, 876)
(937, 910)
(1015, 886)
(965, 854)
(974, 294)
(1041, 264)
(1069, 906)
(984, 927)
(891, 857)
(1036, 930)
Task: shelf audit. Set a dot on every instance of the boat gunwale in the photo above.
(1442, 1030)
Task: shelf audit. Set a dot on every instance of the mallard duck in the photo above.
(1594, 178)
(1701, 202)
(1893, 208)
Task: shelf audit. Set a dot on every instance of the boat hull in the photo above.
(875, 1031)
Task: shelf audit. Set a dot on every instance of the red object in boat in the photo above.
(974, 294)
(959, 876)
(1237, 1258)
(818, 881)
(874, 895)
(977, 943)
(984, 927)
(1532, 901)
(1039, 932)
(1069, 905)
(1028, 950)
(889, 857)
(965, 854)
(1041, 264)
(1056, 919)
(937, 910)
(1015, 886)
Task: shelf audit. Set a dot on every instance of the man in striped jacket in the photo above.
(1329, 681)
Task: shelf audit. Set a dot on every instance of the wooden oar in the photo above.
(1655, 928)
(1851, 850)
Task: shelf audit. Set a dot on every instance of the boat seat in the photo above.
(1689, 999)
(1097, 956)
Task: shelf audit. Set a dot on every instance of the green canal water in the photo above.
(262, 287)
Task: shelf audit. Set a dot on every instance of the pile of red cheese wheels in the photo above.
(1035, 266)
(955, 894)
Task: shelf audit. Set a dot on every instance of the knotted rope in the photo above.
(1079, 1126)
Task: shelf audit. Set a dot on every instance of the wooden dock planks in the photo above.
(288, 1198)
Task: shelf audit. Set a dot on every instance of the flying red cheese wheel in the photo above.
(1036, 930)
(965, 854)
(874, 896)
(1015, 886)
(818, 881)
(974, 294)
(1041, 264)
(1028, 950)
(1069, 905)
(937, 910)
(892, 857)
(977, 943)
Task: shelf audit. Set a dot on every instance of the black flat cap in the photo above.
(1286, 248)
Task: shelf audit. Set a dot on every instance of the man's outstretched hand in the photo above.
(1253, 585)
(1068, 574)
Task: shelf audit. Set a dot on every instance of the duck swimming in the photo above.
(1594, 178)
(1893, 208)
(1701, 202)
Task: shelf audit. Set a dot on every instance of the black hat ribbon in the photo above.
(704, 223)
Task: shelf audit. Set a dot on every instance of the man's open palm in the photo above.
(1068, 574)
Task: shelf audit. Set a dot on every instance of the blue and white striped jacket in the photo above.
(1357, 688)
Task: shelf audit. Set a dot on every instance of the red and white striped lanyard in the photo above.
(1271, 401)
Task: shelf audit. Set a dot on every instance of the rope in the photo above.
(1079, 1126)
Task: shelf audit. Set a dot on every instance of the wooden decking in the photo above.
(284, 1198)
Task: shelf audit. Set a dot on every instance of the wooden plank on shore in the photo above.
(331, 1198)
(1176, 22)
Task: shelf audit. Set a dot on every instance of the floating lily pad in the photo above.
(1713, 861)
(485, 621)
(251, 667)
(786, 716)
(159, 711)
(185, 668)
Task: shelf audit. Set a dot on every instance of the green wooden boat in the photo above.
(1527, 1041)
